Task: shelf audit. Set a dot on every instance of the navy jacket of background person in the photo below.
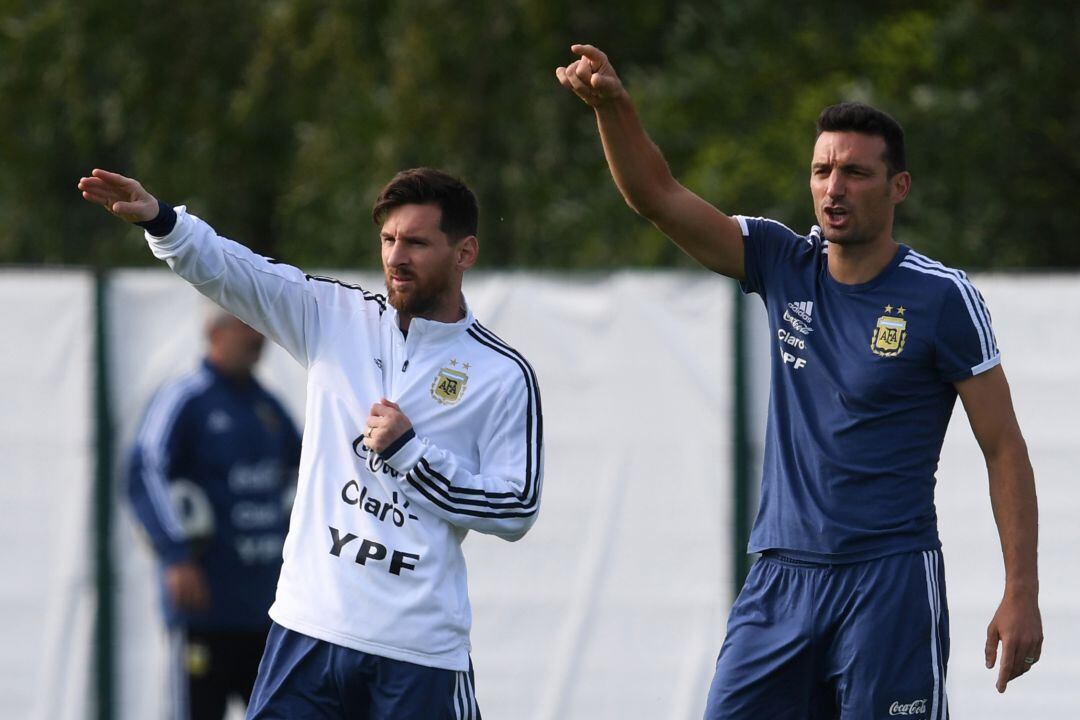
(211, 478)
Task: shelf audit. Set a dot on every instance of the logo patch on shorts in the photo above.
(197, 659)
(908, 708)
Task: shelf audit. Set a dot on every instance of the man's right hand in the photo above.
(186, 585)
(591, 77)
(642, 174)
(124, 197)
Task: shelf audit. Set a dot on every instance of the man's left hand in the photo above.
(1017, 626)
(385, 424)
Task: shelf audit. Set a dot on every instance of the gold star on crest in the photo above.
(453, 362)
(900, 310)
(888, 308)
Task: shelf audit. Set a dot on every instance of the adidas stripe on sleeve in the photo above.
(504, 497)
(966, 344)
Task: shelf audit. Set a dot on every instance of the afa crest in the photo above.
(890, 333)
(449, 386)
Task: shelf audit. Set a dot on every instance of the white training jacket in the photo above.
(373, 557)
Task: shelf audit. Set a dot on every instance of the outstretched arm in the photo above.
(641, 173)
(275, 298)
(1017, 624)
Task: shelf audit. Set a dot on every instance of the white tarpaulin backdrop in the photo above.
(613, 606)
(47, 449)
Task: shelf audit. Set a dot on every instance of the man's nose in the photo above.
(835, 187)
(397, 254)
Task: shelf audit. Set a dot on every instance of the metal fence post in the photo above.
(103, 502)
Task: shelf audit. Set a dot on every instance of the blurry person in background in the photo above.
(211, 478)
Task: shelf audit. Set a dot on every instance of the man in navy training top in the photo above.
(211, 478)
(844, 615)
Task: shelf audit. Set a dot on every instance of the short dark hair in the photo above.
(427, 186)
(861, 118)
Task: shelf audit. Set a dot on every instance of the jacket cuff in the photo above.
(175, 235)
(163, 223)
(403, 454)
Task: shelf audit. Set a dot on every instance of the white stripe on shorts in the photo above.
(461, 711)
(465, 698)
(937, 700)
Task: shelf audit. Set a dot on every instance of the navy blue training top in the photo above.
(211, 478)
(862, 392)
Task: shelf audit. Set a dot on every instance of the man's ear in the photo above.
(466, 252)
(900, 186)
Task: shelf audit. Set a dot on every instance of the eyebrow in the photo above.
(845, 166)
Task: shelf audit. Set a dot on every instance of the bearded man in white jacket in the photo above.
(422, 425)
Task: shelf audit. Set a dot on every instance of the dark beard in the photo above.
(849, 240)
(860, 239)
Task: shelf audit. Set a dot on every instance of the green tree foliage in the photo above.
(279, 120)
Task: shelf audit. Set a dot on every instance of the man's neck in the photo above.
(236, 375)
(860, 263)
(447, 313)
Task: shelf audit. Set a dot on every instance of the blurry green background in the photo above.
(279, 120)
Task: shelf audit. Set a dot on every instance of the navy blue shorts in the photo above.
(301, 678)
(863, 640)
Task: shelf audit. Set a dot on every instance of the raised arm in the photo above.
(1017, 624)
(643, 176)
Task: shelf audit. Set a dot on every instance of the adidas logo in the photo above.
(804, 309)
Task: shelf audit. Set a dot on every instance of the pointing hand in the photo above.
(591, 76)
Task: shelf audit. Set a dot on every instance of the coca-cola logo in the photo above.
(797, 324)
(915, 707)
